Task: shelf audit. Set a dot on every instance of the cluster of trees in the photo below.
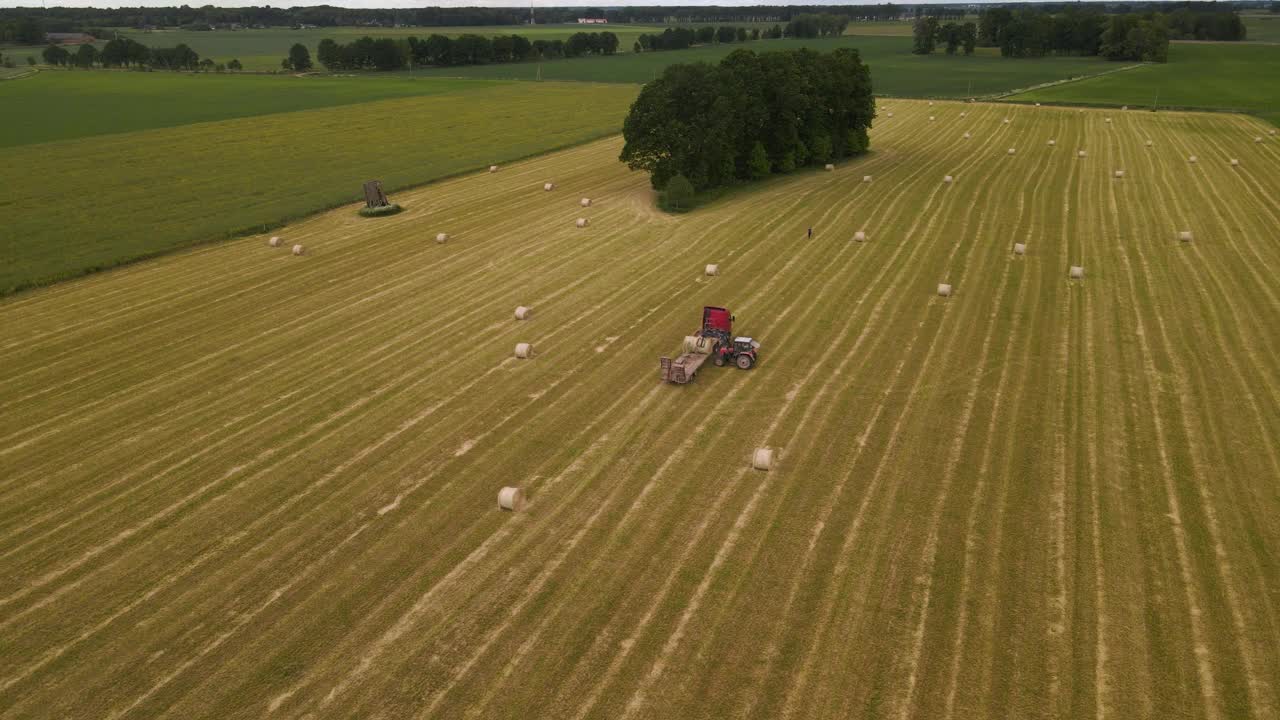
(681, 38)
(812, 25)
(21, 30)
(469, 49)
(928, 33)
(1117, 36)
(748, 117)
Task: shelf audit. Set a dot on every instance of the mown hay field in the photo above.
(97, 202)
(241, 483)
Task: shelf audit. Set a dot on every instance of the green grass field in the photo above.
(99, 201)
(69, 104)
(1218, 76)
(895, 71)
(236, 483)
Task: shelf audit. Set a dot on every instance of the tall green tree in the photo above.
(924, 35)
(679, 193)
(299, 58)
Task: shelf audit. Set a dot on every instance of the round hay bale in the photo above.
(967, 136)
(1149, 143)
(585, 202)
(1124, 107)
(1077, 272)
(1019, 249)
(944, 289)
(1185, 236)
(860, 236)
(698, 344)
(522, 312)
(889, 114)
(712, 269)
(930, 103)
(947, 179)
(274, 242)
(493, 168)
(931, 118)
(1012, 151)
(1272, 133)
(581, 222)
(762, 459)
(1258, 139)
(548, 186)
(442, 237)
(297, 250)
(524, 350)
(511, 498)
(1119, 174)
(1082, 153)
(1108, 120)
(1193, 159)
(1006, 121)
(1235, 162)
(1052, 143)
(964, 114)
(866, 178)
(829, 167)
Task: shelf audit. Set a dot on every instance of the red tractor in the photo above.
(714, 340)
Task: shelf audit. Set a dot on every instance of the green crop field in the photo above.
(70, 104)
(1222, 76)
(239, 483)
(99, 201)
(896, 71)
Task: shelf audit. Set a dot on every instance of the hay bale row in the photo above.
(522, 312)
(511, 499)
(524, 350)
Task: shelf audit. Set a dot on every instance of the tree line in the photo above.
(126, 53)
(750, 116)
(388, 54)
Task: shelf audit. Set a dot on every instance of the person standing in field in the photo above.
(810, 233)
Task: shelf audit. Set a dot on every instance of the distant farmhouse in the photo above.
(69, 38)
(592, 21)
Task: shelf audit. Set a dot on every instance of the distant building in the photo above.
(69, 38)
(593, 21)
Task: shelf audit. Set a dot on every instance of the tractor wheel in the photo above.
(745, 362)
(719, 360)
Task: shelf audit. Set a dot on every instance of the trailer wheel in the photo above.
(745, 362)
(719, 360)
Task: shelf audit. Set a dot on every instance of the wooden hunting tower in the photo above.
(373, 195)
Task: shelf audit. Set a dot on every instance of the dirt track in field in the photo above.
(239, 483)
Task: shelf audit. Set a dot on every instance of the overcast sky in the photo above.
(405, 3)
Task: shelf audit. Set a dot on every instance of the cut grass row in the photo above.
(1037, 496)
(101, 201)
